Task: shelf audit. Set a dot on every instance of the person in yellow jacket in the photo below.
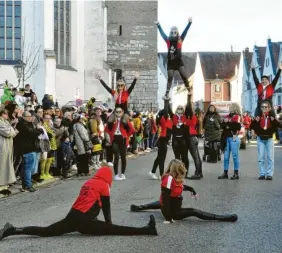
(138, 126)
(47, 158)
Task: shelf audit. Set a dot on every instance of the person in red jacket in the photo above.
(192, 140)
(171, 198)
(119, 133)
(94, 196)
(165, 123)
(122, 94)
(265, 89)
(247, 122)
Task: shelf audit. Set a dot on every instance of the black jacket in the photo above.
(265, 134)
(27, 139)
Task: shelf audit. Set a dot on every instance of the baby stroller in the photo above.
(212, 152)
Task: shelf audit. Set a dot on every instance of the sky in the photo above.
(218, 24)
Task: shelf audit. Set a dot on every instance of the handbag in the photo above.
(97, 145)
(87, 144)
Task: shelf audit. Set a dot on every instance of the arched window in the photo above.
(217, 88)
(62, 30)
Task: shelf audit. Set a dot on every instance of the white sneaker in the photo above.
(153, 176)
(122, 176)
(74, 167)
(110, 164)
(149, 149)
(117, 178)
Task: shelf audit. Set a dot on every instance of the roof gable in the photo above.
(219, 63)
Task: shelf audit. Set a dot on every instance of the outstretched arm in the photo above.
(164, 36)
(275, 80)
(130, 89)
(97, 76)
(183, 35)
(189, 188)
(254, 74)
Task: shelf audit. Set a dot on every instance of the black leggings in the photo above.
(79, 222)
(180, 150)
(119, 150)
(192, 144)
(82, 164)
(160, 160)
(170, 73)
(183, 213)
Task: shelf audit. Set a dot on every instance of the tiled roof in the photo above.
(221, 63)
(275, 48)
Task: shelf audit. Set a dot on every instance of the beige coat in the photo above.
(7, 133)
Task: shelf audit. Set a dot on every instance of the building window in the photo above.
(217, 88)
(267, 62)
(62, 22)
(10, 30)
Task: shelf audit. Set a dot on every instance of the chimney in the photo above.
(231, 48)
(246, 50)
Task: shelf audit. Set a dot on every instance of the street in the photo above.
(257, 204)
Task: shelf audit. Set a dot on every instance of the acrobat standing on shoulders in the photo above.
(174, 45)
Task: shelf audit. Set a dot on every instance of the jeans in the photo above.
(280, 135)
(232, 147)
(192, 144)
(265, 147)
(35, 169)
(29, 163)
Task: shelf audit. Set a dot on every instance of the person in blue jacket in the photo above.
(174, 45)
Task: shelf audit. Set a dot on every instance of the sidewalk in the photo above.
(15, 189)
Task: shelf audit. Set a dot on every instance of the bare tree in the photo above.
(30, 54)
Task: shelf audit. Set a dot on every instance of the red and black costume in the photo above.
(165, 123)
(265, 93)
(246, 120)
(174, 57)
(94, 196)
(170, 203)
(120, 97)
(192, 140)
(119, 138)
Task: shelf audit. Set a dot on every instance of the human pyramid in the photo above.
(94, 195)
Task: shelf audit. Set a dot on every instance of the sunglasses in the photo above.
(118, 111)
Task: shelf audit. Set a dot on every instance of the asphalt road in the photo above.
(257, 203)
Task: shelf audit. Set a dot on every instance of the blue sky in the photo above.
(218, 24)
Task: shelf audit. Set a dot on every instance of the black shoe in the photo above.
(231, 217)
(66, 176)
(261, 178)
(224, 175)
(219, 158)
(152, 225)
(135, 208)
(201, 176)
(268, 178)
(6, 231)
(235, 175)
(31, 189)
(195, 177)
(5, 192)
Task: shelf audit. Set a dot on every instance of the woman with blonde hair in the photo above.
(170, 201)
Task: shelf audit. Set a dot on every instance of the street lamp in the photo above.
(19, 69)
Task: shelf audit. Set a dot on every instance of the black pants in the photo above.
(192, 144)
(180, 150)
(79, 222)
(109, 154)
(160, 160)
(119, 150)
(170, 73)
(82, 164)
(182, 213)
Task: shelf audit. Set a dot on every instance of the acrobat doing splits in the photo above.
(174, 45)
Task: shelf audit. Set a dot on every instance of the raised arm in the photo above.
(183, 35)
(130, 89)
(253, 67)
(164, 36)
(166, 105)
(188, 109)
(275, 80)
(97, 76)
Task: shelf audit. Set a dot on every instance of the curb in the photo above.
(15, 190)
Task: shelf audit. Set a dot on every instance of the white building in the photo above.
(266, 59)
(68, 40)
